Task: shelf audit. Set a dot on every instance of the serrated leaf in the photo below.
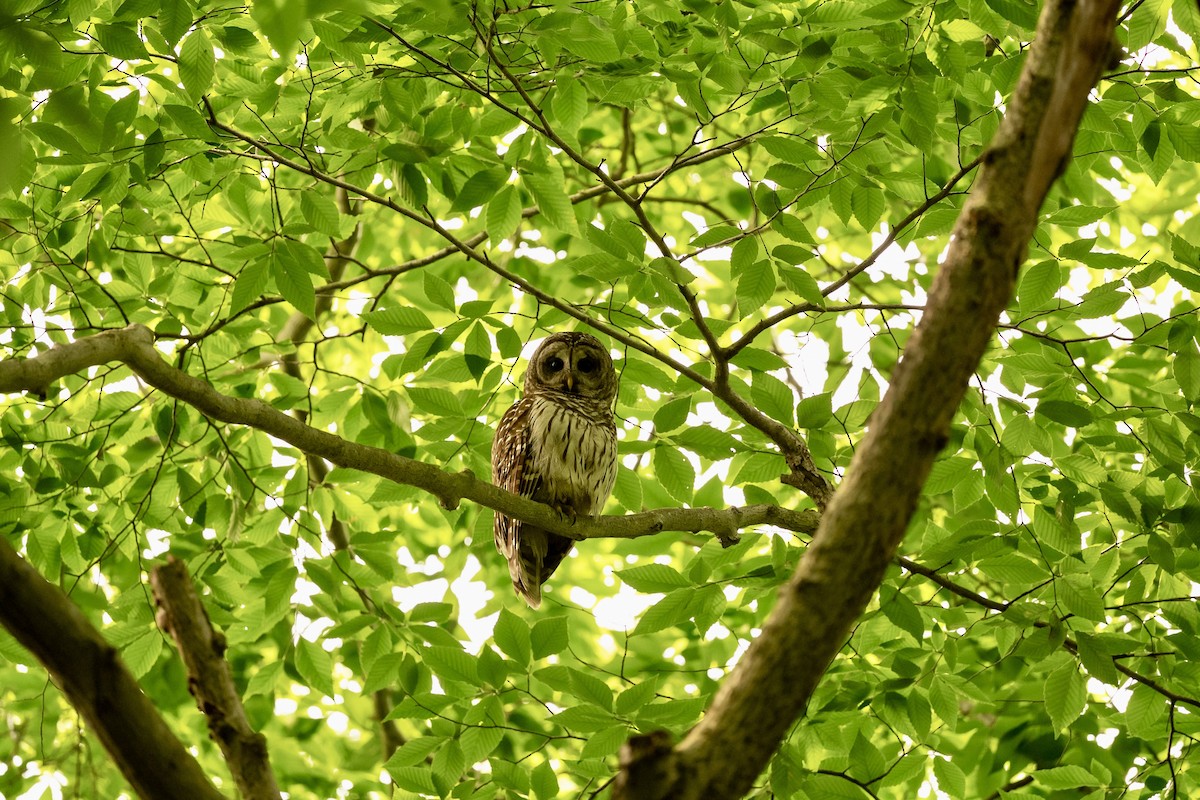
(674, 472)
(745, 252)
(1080, 598)
(320, 212)
(197, 64)
(1065, 695)
(479, 188)
(448, 765)
(868, 204)
(605, 743)
(755, 287)
(142, 652)
(815, 411)
(512, 636)
(294, 282)
(549, 637)
(1038, 285)
(544, 782)
(479, 743)
(413, 752)
(121, 40)
(671, 610)
(1064, 412)
(950, 777)
(452, 663)
(799, 281)
(1066, 777)
(436, 400)
(1186, 369)
(1146, 713)
(399, 321)
(653, 578)
(591, 689)
(315, 666)
(250, 284)
(504, 214)
(635, 697)
(552, 202)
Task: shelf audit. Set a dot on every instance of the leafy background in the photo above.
(219, 172)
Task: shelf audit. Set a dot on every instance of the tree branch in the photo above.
(862, 528)
(89, 671)
(182, 615)
(134, 346)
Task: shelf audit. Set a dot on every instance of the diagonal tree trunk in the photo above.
(866, 520)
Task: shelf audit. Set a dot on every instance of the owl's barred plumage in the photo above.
(556, 445)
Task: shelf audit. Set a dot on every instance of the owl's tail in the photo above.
(538, 554)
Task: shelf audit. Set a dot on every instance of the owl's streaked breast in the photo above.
(573, 451)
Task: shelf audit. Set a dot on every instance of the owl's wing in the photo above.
(532, 553)
(509, 451)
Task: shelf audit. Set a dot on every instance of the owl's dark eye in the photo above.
(587, 364)
(554, 364)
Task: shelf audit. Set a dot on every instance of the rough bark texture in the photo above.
(866, 519)
(96, 682)
(134, 346)
(209, 680)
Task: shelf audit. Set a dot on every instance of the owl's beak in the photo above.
(570, 381)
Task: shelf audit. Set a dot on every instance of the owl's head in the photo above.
(573, 363)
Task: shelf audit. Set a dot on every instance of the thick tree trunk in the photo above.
(865, 522)
(92, 676)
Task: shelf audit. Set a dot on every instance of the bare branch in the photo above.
(134, 346)
(90, 672)
(210, 681)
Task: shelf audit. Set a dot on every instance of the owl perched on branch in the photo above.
(556, 445)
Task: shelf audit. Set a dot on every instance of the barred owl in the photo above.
(556, 445)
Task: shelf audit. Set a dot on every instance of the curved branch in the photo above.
(134, 346)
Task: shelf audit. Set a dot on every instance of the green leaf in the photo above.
(653, 578)
(142, 652)
(950, 777)
(451, 663)
(802, 283)
(293, 281)
(1186, 368)
(513, 637)
(399, 321)
(1065, 695)
(413, 752)
(1038, 285)
(544, 782)
(549, 637)
(552, 201)
(1073, 415)
(675, 473)
(479, 188)
(320, 212)
(197, 64)
(671, 610)
(755, 287)
(504, 213)
(636, 696)
(121, 40)
(1066, 777)
(315, 666)
(250, 284)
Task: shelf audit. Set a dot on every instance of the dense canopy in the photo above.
(367, 214)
